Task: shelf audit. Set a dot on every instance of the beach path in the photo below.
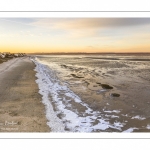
(21, 107)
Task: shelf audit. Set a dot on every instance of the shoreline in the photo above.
(21, 108)
(96, 97)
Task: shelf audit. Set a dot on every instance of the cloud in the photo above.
(21, 20)
(82, 27)
(82, 23)
(89, 27)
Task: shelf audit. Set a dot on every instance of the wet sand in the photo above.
(21, 108)
(117, 92)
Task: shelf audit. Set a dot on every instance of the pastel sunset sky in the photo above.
(31, 35)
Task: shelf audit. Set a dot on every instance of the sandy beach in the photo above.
(21, 107)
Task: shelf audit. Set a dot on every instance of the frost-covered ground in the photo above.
(95, 93)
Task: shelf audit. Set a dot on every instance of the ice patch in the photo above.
(126, 115)
(148, 126)
(113, 116)
(118, 125)
(130, 130)
(138, 117)
(54, 122)
(113, 111)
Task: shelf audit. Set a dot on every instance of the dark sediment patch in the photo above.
(137, 59)
(106, 86)
(75, 76)
(64, 66)
(13, 114)
(104, 58)
(115, 94)
(132, 59)
(98, 83)
(67, 67)
(87, 83)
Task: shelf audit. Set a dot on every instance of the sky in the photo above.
(31, 35)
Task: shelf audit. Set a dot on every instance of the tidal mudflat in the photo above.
(95, 93)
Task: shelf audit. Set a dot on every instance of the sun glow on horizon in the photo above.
(88, 35)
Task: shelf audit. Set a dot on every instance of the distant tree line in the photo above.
(11, 55)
